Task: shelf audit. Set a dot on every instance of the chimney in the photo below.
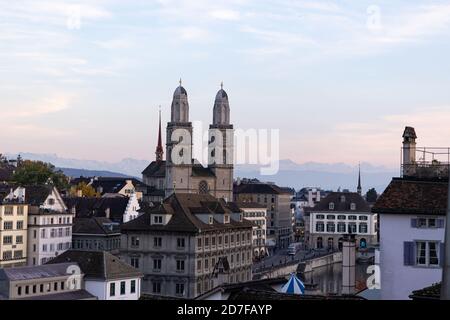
(409, 150)
(348, 264)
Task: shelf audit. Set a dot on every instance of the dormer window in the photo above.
(226, 219)
(51, 201)
(157, 220)
(353, 206)
(342, 199)
(211, 220)
(331, 206)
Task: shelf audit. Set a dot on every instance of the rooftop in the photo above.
(98, 265)
(36, 272)
(413, 196)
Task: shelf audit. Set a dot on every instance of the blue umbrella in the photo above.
(294, 286)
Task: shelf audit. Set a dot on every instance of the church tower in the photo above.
(159, 148)
(221, 147)
(179, 145)
(359, 188)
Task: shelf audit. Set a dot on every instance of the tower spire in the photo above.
(359, 181)
(159, 149)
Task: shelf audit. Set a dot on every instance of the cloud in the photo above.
(193, 33)
(42, 106)
(225, 14)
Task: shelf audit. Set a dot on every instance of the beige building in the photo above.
(49, 224)
(13, 229)
(180, 172)
(280, 216)
(188, 245)
(48, 282)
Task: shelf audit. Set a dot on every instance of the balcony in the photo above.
(427, 163)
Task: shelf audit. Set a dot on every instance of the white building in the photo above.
(412, 224)
(257, 214)
(49, 224)
(341, 213)
(105, 276)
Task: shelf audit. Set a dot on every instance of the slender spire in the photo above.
(181, 82)
(159, 148)
(221, 85)
(359, 181)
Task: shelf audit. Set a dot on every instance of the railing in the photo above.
(430, 163)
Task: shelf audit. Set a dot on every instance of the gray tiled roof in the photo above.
(183, 207)
(98, 265)
(36, 272)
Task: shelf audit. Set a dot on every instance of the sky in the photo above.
(339, 79)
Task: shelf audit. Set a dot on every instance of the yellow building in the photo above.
(13, 229)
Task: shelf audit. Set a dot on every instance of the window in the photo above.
(7, 225)
(427, 223)
(213, 241)
(18, 254)
(157, 264)
(7, 255)
(211, 220)
(341, 227)
(51, 202)
(157, 220)
(199, 242)
(179, 289)
(363, 218)
(320, 216)
(352, 228)
(19, 239)
(180, 265)
(363, 228)
(320, 227)
(331, 206)
(19, 291)
(199, 265)
(156, 287)
(20, 211)
(62, 285)
(43, 234)
(206, 241)
(68, 232)
(135, 241)
(133, 286)
(122, 287)
(226, 218)
(422, 223)
(34, 288)
(157, 242)
(331, 217)
(8, 211)
(226, 239)
(181, 242)
(427, 253)
(135, 262)
(112, 289)
(331, 227)
(352, 206)
(342, 217)
(203, 187)
(7, 240)
(55, 286)
(44, 248)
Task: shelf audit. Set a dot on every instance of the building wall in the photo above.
(279, 215)
(131, 211)
(96, 243)
(45, 247)
(397, 280)
(102, 289)
(259, 235)
(18, 250)
(314, 234)
(196, 280)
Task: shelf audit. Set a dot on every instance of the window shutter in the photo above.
(440, 223)
(408, 253)
(413, 223)
(441, 254)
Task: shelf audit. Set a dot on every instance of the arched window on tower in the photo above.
(203, 187)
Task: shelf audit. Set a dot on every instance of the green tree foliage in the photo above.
(371, 195)
(86, 191)
(40, 173)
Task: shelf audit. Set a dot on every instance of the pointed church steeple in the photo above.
(159, 149)
(359, 189)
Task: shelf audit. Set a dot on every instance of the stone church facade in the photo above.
(180, 172)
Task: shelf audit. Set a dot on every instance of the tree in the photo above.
(40, 173)
(371, 195)
(86, 191)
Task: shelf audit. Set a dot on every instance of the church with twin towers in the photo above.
(179, 172)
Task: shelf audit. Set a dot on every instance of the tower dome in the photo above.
(180, 105)
(221, 113)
